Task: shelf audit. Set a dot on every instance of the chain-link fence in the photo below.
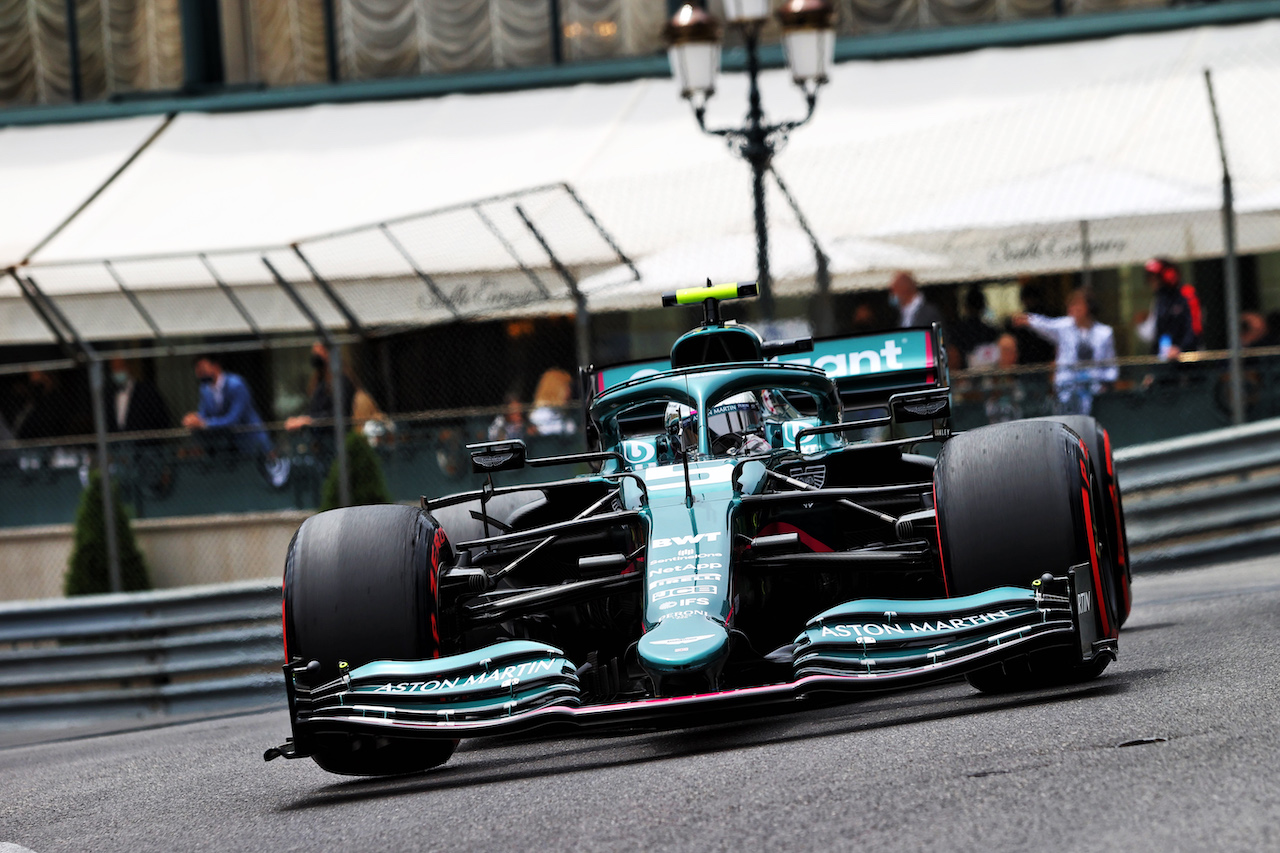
(226, 380)
(469, 322)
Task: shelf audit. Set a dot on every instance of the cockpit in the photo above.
(714, 411)
(743, 424)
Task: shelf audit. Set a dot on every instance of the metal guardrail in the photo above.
(1212, 495)
(140, 655)
(143, 656)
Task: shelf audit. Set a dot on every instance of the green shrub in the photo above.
(368, 485)
(87, 571)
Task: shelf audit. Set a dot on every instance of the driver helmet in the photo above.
(733, 420)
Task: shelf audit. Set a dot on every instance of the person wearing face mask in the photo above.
(226, 415)
(320, 392)
(136, 405)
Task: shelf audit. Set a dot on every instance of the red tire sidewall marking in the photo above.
(1099, 592)
(438, 541)
(937, 530)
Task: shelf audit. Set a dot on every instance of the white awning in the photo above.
(48, 172)
(971, 165)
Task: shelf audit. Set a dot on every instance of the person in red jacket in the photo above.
(1176, 321)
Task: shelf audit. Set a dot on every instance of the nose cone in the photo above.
(687, 645)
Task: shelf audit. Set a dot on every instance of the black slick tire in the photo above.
(361, 584)
(1098, 440)
(1012, 504)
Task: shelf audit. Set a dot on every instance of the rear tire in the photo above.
(1010, 508)
(360, 585)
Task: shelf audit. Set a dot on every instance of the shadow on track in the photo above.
(1150, 626)
(722, 736)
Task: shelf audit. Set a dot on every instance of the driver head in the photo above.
(731, 421)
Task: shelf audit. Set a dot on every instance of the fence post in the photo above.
(335, 369)
(96, 383)
(1086, 257)
(54, 318)
(339, 421)
(582, 316)
(1231, 272)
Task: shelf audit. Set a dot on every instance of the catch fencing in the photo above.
(469, 322)
(158, 655)
(454, 326)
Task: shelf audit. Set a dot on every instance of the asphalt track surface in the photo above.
(1174, 748)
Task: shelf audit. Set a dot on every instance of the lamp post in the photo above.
(808, 38)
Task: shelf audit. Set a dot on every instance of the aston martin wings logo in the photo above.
(814, 475)
(682, 640)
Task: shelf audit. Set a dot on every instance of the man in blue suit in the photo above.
(226, 406)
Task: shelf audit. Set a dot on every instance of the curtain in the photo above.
(455, 34)
(124, 46)
(392, 38)
(397, 38)
(33, 52)
(288, 41)
(641, 24)
(136, 45)
(872, 16)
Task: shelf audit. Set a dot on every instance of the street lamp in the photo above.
(808, 38)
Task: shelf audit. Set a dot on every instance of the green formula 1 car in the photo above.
(756, 530)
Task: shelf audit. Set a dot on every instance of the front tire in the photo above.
(361, 584)
(1098, 440)
(1013, 502)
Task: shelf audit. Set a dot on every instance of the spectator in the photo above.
(1257, 330)
(45, 407)
(913, 309)
(1032, 349)
(550, 399)
(1004, 393)
(320, 391)
(1170, 327)
(226, 411)
(1079, 338)
(865, 318)
(974, 339)
(6, 436)
(510, 424)
(136, 404)
(1165, 269)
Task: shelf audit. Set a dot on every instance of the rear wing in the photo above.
(867, 368)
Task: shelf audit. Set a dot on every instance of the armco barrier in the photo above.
(218, 648)
(1208, 496)
(140, 655)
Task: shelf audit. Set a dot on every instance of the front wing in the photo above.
(863, 646)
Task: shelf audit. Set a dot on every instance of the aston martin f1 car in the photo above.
(750, 525)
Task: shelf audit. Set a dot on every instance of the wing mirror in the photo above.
(671, 424)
